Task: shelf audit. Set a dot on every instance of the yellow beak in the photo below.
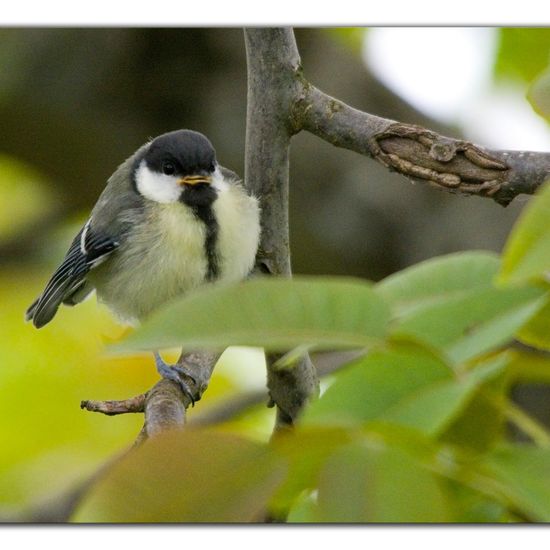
(195, 180)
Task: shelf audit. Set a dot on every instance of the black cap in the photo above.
(189, 152)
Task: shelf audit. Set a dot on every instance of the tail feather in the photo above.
(29, 314)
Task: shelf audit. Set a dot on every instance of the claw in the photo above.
(172, 372)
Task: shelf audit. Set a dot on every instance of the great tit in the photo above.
(170, 220)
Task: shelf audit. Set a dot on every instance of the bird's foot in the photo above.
(175, 373)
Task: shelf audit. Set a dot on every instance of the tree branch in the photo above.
(418, 153)
(164, 405)
(281, 103)
(272, 62)
(325, 363)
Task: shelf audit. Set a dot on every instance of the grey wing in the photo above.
(68, 283)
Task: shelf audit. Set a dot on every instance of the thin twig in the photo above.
(112, 408)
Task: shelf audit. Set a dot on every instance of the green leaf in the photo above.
(379, 485)
(481, 421)
(526, 256)
(450, 303)
(472, 323)
(524, 473)
(539, 94)
(437, 280)
(522, 52)
(278, 314)
(369, 387)
(432, 409)
(190, 476)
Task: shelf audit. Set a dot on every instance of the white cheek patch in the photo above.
(218, 182)
(157, 187)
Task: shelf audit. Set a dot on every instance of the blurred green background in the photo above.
(74, 103)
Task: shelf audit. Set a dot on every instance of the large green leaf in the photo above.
(191, 476)
(438, 280)
(524, 473)
(526, 256)
(472, 323)
(275, 313)
(379, 485)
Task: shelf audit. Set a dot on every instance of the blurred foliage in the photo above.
(413, 431)
(351, 37)
(49, 444)
(24, 192)
(44, 377)
(523, 53)
(190, 478)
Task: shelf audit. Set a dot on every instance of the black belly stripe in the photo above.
(206, 215)
(200, 199)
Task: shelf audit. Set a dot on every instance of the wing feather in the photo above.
(88, 249)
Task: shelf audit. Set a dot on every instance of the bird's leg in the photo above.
(174, 372)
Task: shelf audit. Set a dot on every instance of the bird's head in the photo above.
(178, 166)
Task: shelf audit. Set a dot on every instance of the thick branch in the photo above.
(418, 153)
(273, 62)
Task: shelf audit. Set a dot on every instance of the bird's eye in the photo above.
(168, 168)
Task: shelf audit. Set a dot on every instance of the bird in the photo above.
(170, 220)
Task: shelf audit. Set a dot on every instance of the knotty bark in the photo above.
(419, 153)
